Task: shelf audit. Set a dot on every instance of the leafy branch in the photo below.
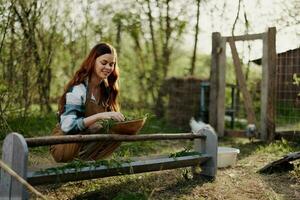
(296, 81)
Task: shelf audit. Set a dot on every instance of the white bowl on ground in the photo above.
(227, 156)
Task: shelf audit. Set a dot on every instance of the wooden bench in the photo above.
(15, 154)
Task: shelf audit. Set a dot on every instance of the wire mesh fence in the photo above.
(288, 91)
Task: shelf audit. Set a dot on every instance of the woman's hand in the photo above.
(89, 121)
(117, 116)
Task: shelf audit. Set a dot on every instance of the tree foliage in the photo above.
(42, 43)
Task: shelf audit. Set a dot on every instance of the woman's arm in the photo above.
(72, 121)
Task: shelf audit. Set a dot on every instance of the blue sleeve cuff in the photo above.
(80, 124)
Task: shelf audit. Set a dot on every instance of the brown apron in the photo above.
(85, 151)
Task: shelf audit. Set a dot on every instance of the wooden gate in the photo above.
(217, 81)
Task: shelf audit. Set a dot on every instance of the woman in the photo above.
(90, 96)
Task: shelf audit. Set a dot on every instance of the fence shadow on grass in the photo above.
(181, 187)
(151, 186)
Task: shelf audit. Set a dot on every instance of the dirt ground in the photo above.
(234, 183)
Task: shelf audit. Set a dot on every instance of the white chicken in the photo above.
(196, 126)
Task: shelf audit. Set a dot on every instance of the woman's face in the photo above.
(104, 65)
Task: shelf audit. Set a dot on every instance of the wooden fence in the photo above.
(15, 155)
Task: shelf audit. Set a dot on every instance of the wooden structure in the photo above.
(281, 165)
(217, 81)
(15, 155)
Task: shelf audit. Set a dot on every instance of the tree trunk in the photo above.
(159, 107)
(118, 39)
(193, 62)
(156, 64)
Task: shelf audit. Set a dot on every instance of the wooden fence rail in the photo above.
(50, 140)
(15, 155)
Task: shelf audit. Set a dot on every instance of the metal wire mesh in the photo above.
(288, 91)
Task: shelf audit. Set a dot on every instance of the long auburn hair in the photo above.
(86, 69)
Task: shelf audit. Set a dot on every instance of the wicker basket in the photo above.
(131, 127)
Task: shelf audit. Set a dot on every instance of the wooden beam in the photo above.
(50, 140)
(221, 88)
(135, 167)
(245, 37)
(281, 165)
(213, 91)
(268, 86)
(242, 84)
(217, 83)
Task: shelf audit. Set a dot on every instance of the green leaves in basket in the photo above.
(106, 125)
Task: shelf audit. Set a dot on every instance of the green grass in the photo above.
(118, 190)
(34, 125)
(42, 125)
(127, 195)
(279, 147)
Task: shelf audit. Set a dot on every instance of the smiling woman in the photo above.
(90, 96)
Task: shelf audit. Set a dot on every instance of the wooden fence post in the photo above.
(217, 83)
(208, 146)
(268, 85)
(15, 155)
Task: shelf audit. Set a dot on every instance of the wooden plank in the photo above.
(135, 167)
(242, 84)
(271, 83)
(7, 157)
(15, 155)
(272, 86)
(221, 88)
(245, 37)
(213, 92)
(49, 140)
(281, 165)
(20, 154)
(264, 91)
